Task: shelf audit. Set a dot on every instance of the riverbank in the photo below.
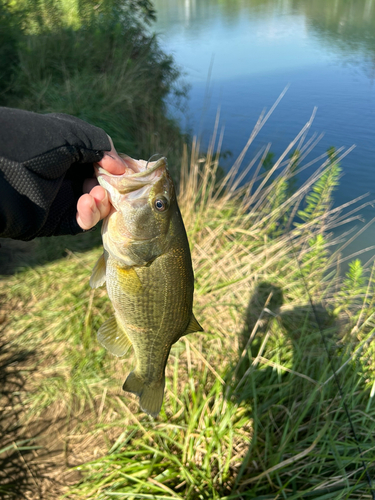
(251, 407)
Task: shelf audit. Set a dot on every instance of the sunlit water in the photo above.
(241, 54)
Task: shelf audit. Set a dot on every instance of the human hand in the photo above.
(94, 205)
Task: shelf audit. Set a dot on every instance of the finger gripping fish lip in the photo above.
(137, 169)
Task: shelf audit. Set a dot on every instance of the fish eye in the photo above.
(161, 204)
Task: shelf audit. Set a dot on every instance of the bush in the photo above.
(108, 71)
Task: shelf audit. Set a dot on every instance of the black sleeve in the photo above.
(44, 160)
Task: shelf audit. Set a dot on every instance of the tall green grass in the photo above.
(251, 407)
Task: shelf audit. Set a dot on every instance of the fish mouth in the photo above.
(136, 169)
(137, 180)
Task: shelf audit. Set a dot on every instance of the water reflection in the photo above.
(346, 26)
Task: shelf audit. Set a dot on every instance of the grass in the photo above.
(251, 408)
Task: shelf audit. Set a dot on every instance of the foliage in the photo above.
(283, 187)
(104, 68)
(9, 58)
(354, 285)
(319, 200)
(41, 16)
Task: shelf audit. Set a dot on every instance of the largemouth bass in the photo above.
(147, 267)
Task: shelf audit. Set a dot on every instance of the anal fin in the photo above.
(193, 326)
(113, 338)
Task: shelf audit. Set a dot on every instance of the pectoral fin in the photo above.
(129, 280)
(113, 338)
(98, 273)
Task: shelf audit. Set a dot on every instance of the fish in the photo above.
(147, 267)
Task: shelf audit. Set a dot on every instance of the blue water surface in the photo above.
(239, 55)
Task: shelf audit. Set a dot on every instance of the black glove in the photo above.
(44, 160)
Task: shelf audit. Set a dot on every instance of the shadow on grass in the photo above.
(15, 255)
(302, 446)
(15, 449)
(30, 450)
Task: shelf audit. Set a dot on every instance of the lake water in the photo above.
(241, 54)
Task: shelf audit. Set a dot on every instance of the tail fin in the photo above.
(150, 396)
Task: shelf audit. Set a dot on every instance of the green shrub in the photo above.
(106, 69)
